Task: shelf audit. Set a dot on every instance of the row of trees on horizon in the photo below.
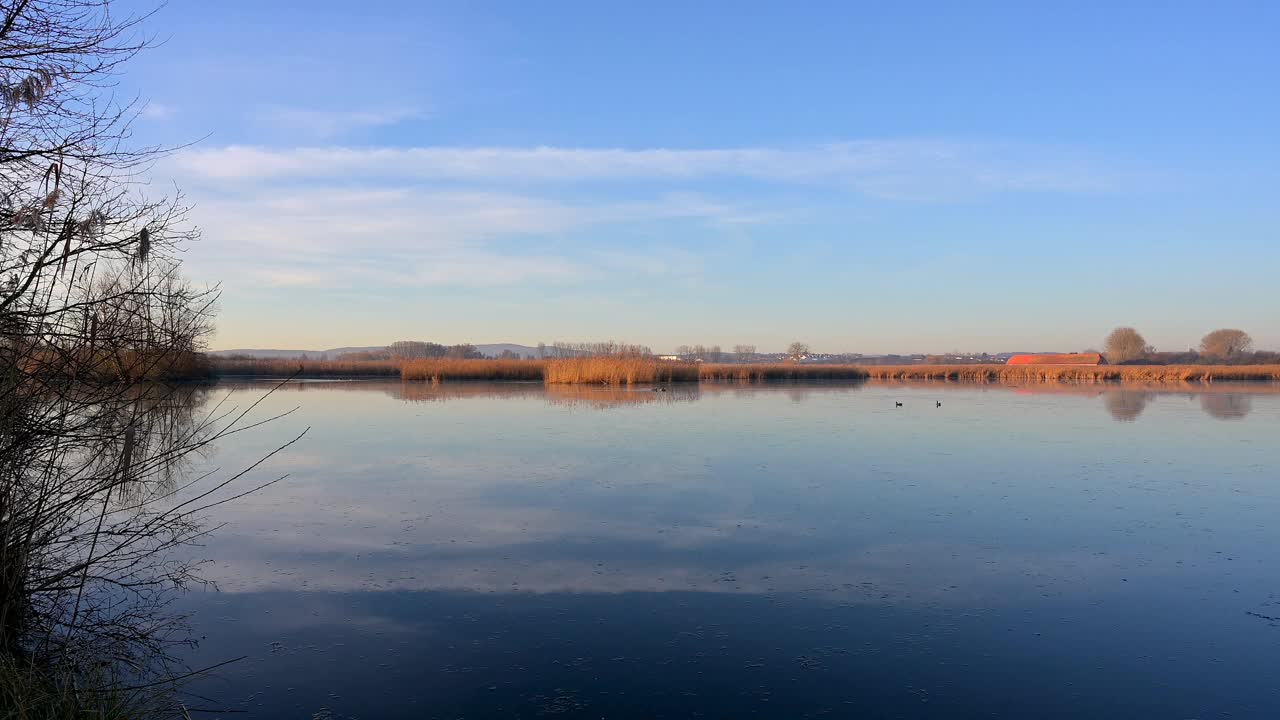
(423, 350)
(1124, 345)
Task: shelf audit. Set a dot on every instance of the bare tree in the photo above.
(408, 350)
(1125, 344)
(797, 351)
(609, 348)
(92, 310)
(1225, 344)
(464, 351)
(744, 353)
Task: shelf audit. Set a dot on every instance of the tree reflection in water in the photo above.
(98, 500)
(1126, 405)
(1226, 406)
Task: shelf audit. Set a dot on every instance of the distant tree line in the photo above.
(608, 348)
(421, 350)
(701, 353)
(415, 350)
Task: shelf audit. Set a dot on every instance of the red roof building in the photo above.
(1058, 359)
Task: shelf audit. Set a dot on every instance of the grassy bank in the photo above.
(28, 693)
(636, 370)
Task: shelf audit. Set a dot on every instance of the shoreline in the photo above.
(619, 372)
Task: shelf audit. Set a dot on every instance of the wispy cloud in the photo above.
(321, 221)
(458, 267)
(158, 111)
(317, 124)
(899, 169)
(389, 237)
(394, 217)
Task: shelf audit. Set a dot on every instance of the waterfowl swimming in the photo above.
(939, 403)
(897, 404)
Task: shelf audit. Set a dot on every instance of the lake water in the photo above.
(780, 551)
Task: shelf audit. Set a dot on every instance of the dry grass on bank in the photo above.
(29, 693)
(443, 369)
(617, 371)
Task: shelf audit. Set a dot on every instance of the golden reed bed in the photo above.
(617, 371)
(638, 370)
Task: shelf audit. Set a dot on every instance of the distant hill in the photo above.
(335, 352)
(496, 349)
(265, 353)
(491, 349)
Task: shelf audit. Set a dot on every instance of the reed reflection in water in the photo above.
(1124, 403)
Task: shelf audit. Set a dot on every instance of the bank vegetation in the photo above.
(632, 370)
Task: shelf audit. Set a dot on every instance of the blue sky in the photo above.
(922, 177)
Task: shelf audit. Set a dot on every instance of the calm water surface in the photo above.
(783, 551)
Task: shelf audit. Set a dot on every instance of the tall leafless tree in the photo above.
(93, 311)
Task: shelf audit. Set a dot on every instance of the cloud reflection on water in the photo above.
(723, 488)
(466, 544)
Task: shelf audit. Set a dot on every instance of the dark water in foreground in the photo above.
(795, 551)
